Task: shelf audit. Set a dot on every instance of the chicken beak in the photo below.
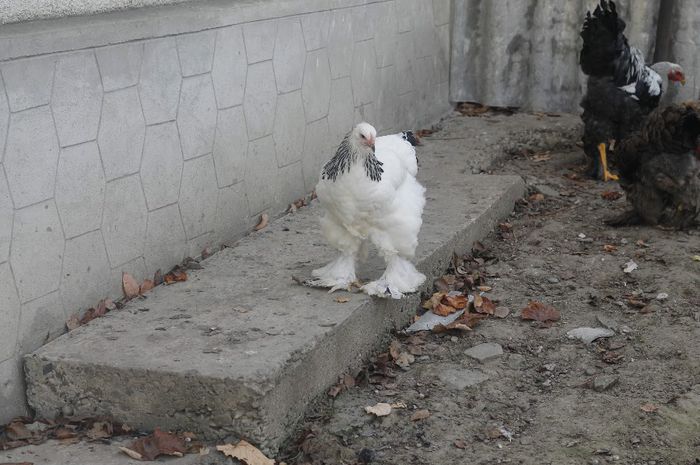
(371, 143)
(683, 81)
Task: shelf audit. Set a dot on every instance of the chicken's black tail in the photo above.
(410, 137)
(603, 40)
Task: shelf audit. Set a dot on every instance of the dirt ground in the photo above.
(633, 398)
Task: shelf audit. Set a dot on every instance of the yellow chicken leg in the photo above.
(607, 175)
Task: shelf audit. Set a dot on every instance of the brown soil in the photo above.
(541, 390)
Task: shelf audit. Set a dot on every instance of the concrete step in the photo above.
(240, 349)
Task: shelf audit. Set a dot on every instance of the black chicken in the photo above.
(621, 89)
(659, 169)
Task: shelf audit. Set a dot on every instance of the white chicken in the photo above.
(369, 192)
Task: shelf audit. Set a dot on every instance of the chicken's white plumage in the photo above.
(369, 192)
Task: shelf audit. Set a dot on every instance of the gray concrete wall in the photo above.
(524, 53)
(12, 11)
(134, 139)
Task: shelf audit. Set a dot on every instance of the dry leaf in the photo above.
(264, 219)
(609, 248)
(100, 430)
(395, 349)
(460, 444)
(487, 306)
(342, 300)
(335, 390)
(611, 195)
(538, 197)
(478, 300)
(420, 415)
(456, 301)
(131, 453)
(129, 286)
(72, 322)
(146, 286)
(539, 312)
(443, 310)
(246, 453)
(541, 156)
(17, 431)
(649, 408)
(465, 322)
(433, 300)
(159, 443)
(641, 243)
(696, 258)
(175, 276)
(399, 404)
(405, 359)
(381, 409)
(501, 312)
(484, 288)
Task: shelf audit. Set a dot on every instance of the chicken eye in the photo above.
(363, 136)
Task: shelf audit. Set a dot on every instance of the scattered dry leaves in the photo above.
(395, 349)
(537, 197)
(129, 286)
(541, 156)
(487, 306)
(611, 196)
(472, 109)
(443, 310)
(423, 132)
(146, 286)
(457, 301)
(609, 248)
(460, 444)
(342, 299)
(501, 312)
(131, 453)
(649, 408)
(405, 359)
(539, 312)
(420, 415)
(612, 357)
(433, 300)
(264, 220)
(24, 431)
(175, 276)
(380, 410)
(159, 443)
(246, 453)
(344, 382)
(72, 322)
(465, 322)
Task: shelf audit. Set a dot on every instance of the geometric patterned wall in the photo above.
(132, 156)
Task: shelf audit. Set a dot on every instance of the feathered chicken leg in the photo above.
(607, 175)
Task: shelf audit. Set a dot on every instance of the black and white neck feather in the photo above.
(356, 147)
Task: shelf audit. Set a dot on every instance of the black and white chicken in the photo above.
(659, 169)
(369, 192)
(621, 89)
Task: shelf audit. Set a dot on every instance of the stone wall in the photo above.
(134, 139)
(525, 53)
